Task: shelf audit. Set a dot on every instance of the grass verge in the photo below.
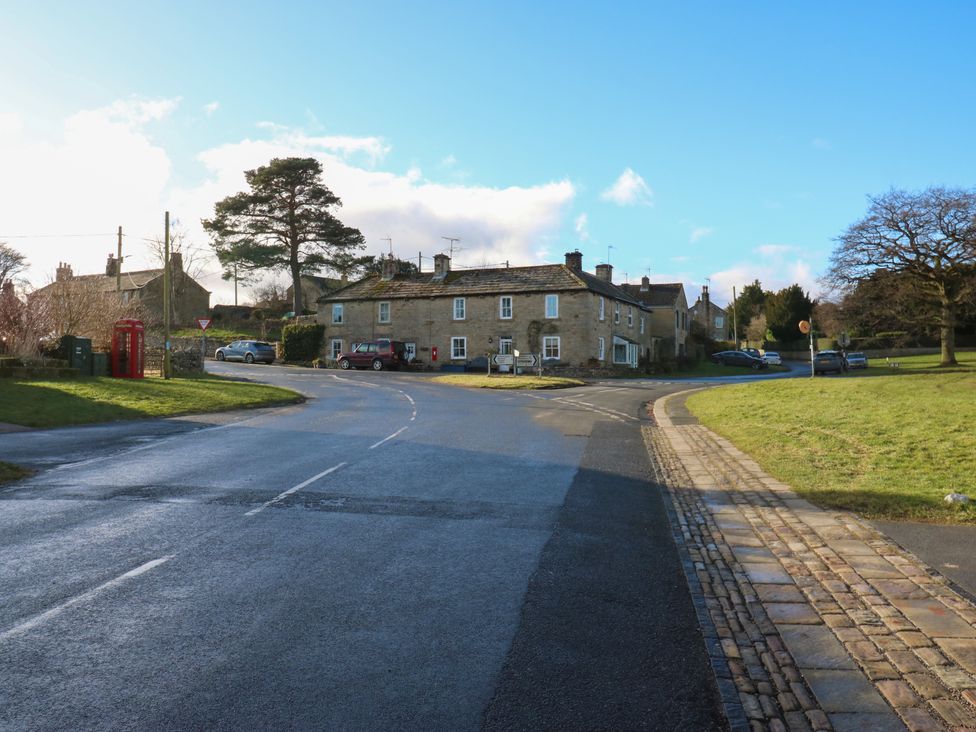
(57, 403)
(10, 472)
(887, 447)
(483, 381)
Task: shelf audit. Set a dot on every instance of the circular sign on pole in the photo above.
(804, 326)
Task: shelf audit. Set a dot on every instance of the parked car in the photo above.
(246, 351)
(825, 361)
(754, 352)
(377, 355)
(772, 358)
(857, 360)
(738, 358)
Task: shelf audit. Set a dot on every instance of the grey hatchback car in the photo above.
(246, 351)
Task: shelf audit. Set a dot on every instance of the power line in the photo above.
(52, 236)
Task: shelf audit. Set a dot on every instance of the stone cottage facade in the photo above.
(668, 308)
(711, 316)
(568, 317)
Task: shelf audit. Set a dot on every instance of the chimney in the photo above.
(707, 303)
(574, 260)
(442, 265)
(645, 283)
(390, 266)
(63, 273)
(605, 272)
(176, 261)
(111, 266)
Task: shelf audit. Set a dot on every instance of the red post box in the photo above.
(433, 353)
(128, 349)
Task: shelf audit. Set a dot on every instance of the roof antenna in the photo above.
(609, 247)
(452, 248)
(390, 241)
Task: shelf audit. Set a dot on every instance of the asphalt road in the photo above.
(392, 554)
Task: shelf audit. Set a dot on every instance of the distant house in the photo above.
(668, 307)
(711, 316)
(314, 287)
(569, 317)
(143, 287)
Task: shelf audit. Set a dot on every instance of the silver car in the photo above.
(772, 358)
(857, 360)
(246, 351)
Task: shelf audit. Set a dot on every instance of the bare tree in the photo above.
(928, 238)
(194, 257)
(82, 307)
(22, 328)
(12, 263)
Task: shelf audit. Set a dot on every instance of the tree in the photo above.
(929, 238)
(757, 330)
(785, 309)
(750, 302)
(12, 263)
(374, 265)
(283, 223)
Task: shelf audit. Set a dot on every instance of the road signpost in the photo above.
(806, 327)
(203, 324)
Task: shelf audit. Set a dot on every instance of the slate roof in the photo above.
(657, 295)
(502, 280)
(106, 283)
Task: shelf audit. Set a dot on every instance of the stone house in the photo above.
(314, 287)
(143, 287)
(711, 316)
(573, 319)
(668, 308)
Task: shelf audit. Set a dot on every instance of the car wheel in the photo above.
(220, 355)
(248, 358)
(377, 365)
(344, 364)
(756, 366)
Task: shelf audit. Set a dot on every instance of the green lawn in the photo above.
(929, 364)
(506, 381)
(55, 403)
(220, 335)
(883, 445)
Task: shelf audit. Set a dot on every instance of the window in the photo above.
(619, 350)
(601, 348)
(459, 308)
(550, 348)
(459, 347)
(630, 316)
(642, 325)
(677, 320)
(505, 307)
(337, 313)
(603, 308)
(552, 306)
(505, 346)
(383, 313)
(684, 321)
(335, 348)
(719, 321)
(616, 312)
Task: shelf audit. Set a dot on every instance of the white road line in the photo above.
(389, 437)
(291, 490)
(84, 597)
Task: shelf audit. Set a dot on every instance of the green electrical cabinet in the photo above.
(99, 364)
(77, 352)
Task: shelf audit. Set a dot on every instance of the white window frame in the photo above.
(463, 309)
(623, 344)
(642, 324)
(337, 309)
(335, 348)
(547, 341)
(463, 341)
(554, 311)
(601, 350)
(616, 313)
(379, 312)
(603, 308)
(501, 307)
(630, 316)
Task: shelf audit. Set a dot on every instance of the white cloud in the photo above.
(628, 190)
(775, 272)
(210, 108)
(448, 161)
(700, 232)
(581, 227)
(774, 250)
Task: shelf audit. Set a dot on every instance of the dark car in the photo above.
(738, 358)
(376, 355)
(825, 361)
(246, 351)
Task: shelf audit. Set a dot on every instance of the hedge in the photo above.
(302, 341)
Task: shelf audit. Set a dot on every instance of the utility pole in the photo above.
(420, 261)
(166, 280)
(735, 328)
(118, 265)
(235, 284)
(609, 247)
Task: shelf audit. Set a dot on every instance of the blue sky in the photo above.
(742, 138)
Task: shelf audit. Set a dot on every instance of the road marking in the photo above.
(291, 490)
(84, 597)
(389, 437)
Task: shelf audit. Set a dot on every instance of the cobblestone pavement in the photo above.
(814, 620)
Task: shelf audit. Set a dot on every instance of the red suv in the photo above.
(375, 354)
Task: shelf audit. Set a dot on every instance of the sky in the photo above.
(700, 142)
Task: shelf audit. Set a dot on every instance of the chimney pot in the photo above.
(605, 272)
(574, 260)
(645, 283)
(390, 267)
(442, 265)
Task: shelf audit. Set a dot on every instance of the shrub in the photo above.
(302, 341)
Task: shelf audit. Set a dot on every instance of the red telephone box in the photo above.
(128, 349)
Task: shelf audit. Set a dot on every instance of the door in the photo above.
(504, 349)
